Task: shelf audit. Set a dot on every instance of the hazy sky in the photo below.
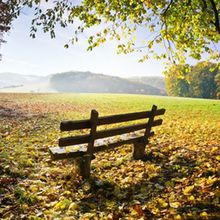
(42, 56)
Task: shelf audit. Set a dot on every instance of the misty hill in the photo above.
(76, 81)
(14, 79)
(99, 83)
(155, 81)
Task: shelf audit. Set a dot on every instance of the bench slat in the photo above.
(59, 153)
(119, 143)
(82, 139)
(83, 124)
(67, 141)
(128, 117)
(157, 122)
(125, 129)
(120, 130)
(75, 125)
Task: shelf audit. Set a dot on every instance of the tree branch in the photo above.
(189, 2)
(204, 5)
(217, 22)
(167, 8)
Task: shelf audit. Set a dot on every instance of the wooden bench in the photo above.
(83, 147)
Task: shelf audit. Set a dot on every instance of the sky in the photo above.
(44, 56)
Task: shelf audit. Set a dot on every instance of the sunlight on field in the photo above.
(179, 180)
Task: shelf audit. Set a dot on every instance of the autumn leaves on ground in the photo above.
(179, 179)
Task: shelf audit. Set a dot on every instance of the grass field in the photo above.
(180, 179)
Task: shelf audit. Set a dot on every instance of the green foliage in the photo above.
(179, 179)
(176, 81)
(8, 10)
(199, 81)
(23, 197)
(181, 27)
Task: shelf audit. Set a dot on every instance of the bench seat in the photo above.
(59, 153)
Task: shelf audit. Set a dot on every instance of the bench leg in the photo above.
(84, 166)
(139, 151)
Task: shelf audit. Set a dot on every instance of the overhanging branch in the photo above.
(216, 14)
(167, 8)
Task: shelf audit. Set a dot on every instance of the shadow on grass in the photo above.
(104, 195)
(17, 113)
(11, 112)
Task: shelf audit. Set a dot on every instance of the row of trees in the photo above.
(199, 81)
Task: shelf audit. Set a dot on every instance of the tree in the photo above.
(202, 80)
(199, 81)
(176, 81)
(217, 81)
(183, 27)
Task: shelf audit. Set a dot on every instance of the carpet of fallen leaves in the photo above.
(178, 179)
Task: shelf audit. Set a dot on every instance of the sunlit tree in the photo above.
(200, 81)
(176, 81)
(217, 81)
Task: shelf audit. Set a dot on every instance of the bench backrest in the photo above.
(96, 121)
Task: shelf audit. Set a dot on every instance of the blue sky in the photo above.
(43, 55)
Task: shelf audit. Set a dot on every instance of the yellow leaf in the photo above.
(177, 217)
(33, 188)
(162, 202)
(155, 210)
(66, 192)
(214, 149)
(187, 190)
(73, 206)
(175, 205)
(218, 157)
(203, 214)
(68, 149)
(63, 204)
(191, 198)
(29, 162)
(211, 180)
(86, 186)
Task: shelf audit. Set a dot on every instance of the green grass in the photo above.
(179, 180)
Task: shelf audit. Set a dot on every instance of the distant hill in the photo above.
(76, 81)
(15, 79)
(14, 82)
(99, 83)
(157, 82)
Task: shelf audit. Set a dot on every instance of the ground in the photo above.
(179, 178)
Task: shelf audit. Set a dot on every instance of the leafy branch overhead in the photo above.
(8, 11)
(187, 27)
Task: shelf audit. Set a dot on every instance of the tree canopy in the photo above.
(201, 81)
(8, 11)
(182, 28)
